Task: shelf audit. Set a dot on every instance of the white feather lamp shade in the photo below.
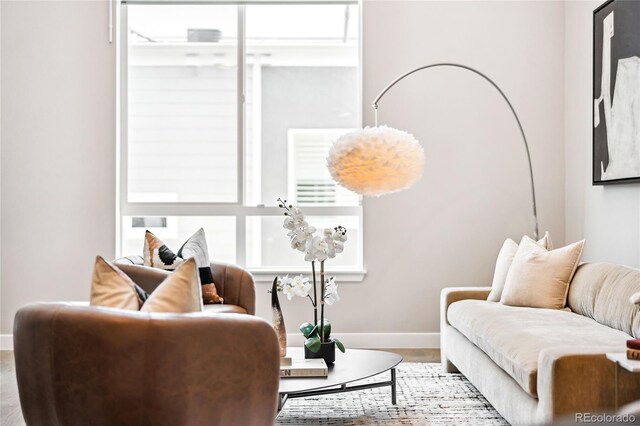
(376, 160)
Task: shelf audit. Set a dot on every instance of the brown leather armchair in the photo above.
(83, 365)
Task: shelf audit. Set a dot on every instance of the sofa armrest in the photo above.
(577, 380)
(447, 297)
(237, 355)
(235, 285)
(454, 294)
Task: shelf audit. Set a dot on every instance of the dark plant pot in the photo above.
(327, 352)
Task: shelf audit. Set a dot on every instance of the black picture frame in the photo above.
(628, 12)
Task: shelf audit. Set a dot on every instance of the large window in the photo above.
(225, 108)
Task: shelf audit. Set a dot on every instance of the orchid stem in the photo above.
(315, 293)
(322, 302)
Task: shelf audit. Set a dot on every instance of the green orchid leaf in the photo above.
(313, 343)
(307, 329)
(339, 345)
(327, 328)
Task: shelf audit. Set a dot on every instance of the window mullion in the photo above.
(241, 219)
(242, 62)
(122, 167)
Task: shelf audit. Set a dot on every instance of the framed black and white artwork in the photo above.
(616, 92)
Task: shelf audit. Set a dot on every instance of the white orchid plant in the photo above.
(316, 248)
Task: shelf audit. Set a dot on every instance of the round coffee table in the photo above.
(351, 366)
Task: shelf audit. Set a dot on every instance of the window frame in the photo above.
(237, 209)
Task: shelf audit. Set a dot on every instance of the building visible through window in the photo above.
(225, 108)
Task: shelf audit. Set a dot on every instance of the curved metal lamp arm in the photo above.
(524, 138)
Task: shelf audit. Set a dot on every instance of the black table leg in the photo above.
(282, 398)
(393, 386)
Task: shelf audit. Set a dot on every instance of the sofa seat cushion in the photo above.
(224, 309)
(513, 337)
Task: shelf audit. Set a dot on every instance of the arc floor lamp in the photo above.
(379, 160)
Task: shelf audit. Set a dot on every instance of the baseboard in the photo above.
(352, 340)
(6, 342)
(379, 340)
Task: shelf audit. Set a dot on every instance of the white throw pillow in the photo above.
(503, 263)
(539, 278)
(196, 247)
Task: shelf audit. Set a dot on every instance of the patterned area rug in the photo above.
(425, 396)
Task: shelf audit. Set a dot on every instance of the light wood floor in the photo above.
(417, 355)
(9, 402)
(10, 414)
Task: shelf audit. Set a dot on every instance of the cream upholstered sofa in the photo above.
(539, 365)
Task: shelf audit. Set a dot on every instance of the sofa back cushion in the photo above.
(602, 291)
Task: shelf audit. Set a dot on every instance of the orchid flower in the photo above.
(303, 238)
(296, 286)
(331, 291)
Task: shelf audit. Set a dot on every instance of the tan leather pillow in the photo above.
(539, 278)
(112, 288)
(503, 263)
(179, 293)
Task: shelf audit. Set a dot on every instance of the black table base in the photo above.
(284, 397)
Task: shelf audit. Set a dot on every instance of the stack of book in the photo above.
(305, 368)
(633, 349)
(285, 360)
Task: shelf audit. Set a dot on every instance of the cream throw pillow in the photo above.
(112, 288)
(539, 278)
(503, 263)
(179, 293)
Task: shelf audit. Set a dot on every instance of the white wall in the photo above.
(607, 216)
(58, 150)
(448, 228)
(58, 168)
